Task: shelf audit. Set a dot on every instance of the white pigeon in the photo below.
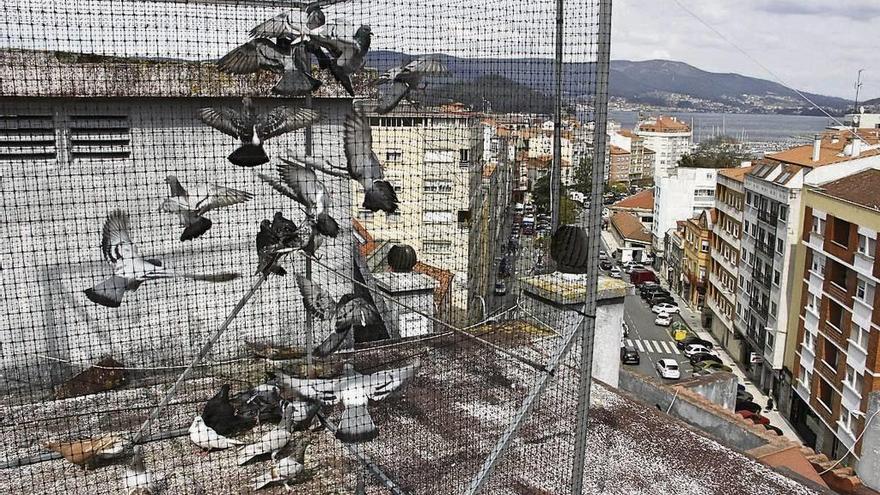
(130, 269)
(205, 437)
(191, 206)
(354, 391)
(283, 470)
(273, 441)
(139, 481)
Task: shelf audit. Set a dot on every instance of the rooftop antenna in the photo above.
(856, 117)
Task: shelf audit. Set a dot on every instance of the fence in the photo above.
(127, 306)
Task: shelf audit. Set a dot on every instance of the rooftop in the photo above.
(831, 150)
(663, 124)
(642, 200)
(629, 227)
(617, 150)
(862, 189)
(738, 173)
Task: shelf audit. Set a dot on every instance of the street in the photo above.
(653, 342)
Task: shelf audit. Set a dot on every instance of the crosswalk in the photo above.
(653, 346)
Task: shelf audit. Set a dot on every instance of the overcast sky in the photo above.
(814, 45)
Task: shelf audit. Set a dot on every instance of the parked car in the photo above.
(500, 288)
(603, 255)
(616, 272)
(704, 356)
(625, 328)
(629, 355)
(661, 298)
(641, 276)
(665, 307)
(655, 291)
(663, 320)
(754, 417)
(709, 366)
(747, 406)
(691, 349)
(774, 430)
(668, 368)
(681, 344)
(605, 265)
(743, 396)
(633, 267)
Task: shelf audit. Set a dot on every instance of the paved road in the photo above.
(653, 342)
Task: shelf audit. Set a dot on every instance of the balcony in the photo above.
(763, 279)
(767, 217)
(728, 265)
(758, 308)
(726, 236)
(719, 286)
(727, 209)
(764, 248)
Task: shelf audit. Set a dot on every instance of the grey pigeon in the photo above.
(272, 441)
(281, 58)
(139, 481)
(130, 270)
(191, 206)
(261, 403)
(301, 184)
(297, 25)
(354, 392)
(284, 470)
(316, 300)
(398, 82)
(253, 128)
(346, 56)
(274, 240)
(351, 311)
(363, 164)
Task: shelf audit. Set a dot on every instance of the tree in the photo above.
(717, 152)
(541, 192)
(568, 209)
(583, 176)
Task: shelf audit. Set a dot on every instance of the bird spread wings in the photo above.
(225, 120)
(376, 386)
(344, 51)
(363, 164)
(284, 24)
(316, 300)
(116, 243)
(252, 56)
(221, 196)
(282, 120)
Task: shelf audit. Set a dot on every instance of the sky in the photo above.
(812, 45)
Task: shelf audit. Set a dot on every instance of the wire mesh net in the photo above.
(343, 225)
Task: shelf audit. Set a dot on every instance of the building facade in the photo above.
(695, 263)
(618, 165)
(683, 194)
(669, 138)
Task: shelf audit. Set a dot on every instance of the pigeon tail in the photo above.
(295, 83)
(249, 155)
(331, 343)
(213, 277)
(109, 292)
(389, 98)
(197, 227)
(356, 425)
(380, 196)
(327, 225)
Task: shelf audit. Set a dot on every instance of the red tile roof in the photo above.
(663, 124)
(617, 150)
(830, 149)
(642, 200)
(862, 189)
(629, 227)
(737, 174)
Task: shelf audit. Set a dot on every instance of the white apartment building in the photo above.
(669, 138)
(684, 193)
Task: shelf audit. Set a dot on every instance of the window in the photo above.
(809, 342)
(859, 336)
(865, 291)
(751, 259)
(866, 245)
(704, 246)
(769, 340)
(754, 230)
(393, 155)
(835, 315)
(464, 219)
(742, 282)
(748, 198)
(365, 214)
(396, 184)
(746, 226)
(813, 303)
(776, 277)
(805, 377)
(437, 186)
(780, 245)
(840, 232)
(829, 354)
(854, 379)
(816, 265)
(783, 213)
(99, 137)
(773, 309)
(464, 156)
(437, 247)
(826, 393)
(436, 216)
(818, 226)
(393, 217)
(837, 274)
(27, 137)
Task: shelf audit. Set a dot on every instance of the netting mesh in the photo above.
(109, 159)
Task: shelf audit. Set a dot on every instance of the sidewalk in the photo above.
(692, 319)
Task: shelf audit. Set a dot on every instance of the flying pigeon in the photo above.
(190, 207)
(351, 311)
(300, 183)
(271, 442)
(298, 24)
(400, 81)
(291, 62)
(316, 300)
(205, 437)
(130, 270)
(219, 414)
(139, 481)
(363, 164)
(354, 392)
(274, 240)
(346, 56)
(253, 129)
(285, 469)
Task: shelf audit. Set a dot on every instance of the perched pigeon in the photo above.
(139, 481)
(191, 206)
(346, 56)
(274, 240)
(271, 442)
(315, 299)
(300, 183)
(260, 403)
(130, 270)
(400, 81)
(253, 129)
(281, 58)
(83, 451)
(363, 164)
(351, 311)
(205, 437)
(219, 414)
(354, 392)
(285, 469)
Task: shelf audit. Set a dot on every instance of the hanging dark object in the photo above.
(402, 258)
(568, 248)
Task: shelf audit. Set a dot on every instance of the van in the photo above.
(639, 276)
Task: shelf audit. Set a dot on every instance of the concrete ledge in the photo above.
(568, 289)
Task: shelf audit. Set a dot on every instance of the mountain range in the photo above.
(655, 83)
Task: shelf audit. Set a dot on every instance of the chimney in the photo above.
(856, 147)
(817, 147)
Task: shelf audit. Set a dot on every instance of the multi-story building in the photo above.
(684, 193)
(836, 364)
(695, 263)
(640, 204)
(669, 138)
(618, 165)
(641, 158)
(674, 248)
(723, 269)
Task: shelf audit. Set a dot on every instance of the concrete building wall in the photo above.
(679, 196)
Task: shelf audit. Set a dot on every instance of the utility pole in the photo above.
(856, 102)
(556, 167)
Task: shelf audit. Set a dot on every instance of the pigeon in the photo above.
(351, 311)
(285, 469)
(271, 442)
(139, 481)
(346, 56)
(82, 451)
(220, 415)
(300, 183)
(274, 240)
(298, 25)
(190, 207)
(205, 437)
(354, 392)
(253, 129)
(363, 164)
(130, 270)
(260, 403)
(291, 62)
(400, 81)
(316, 300)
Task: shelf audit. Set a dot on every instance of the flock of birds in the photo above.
(282, 45)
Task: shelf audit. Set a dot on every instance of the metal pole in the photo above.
(594, 229)
(310, 323)
(556, 169)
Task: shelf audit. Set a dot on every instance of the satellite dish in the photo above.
(862, 109)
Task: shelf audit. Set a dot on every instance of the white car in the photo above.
(692, 349)
(603, 255)
(665, 308)
(663, 320)
(616, 272)
(668, 368)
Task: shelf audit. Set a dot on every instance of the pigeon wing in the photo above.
(252, 56)
(220, 196)
(279, 186)
(363, 164)
(225, 120)
(426, 66)
(343, 50)
(282, 120)
(316, 300)
(116, 241)
(390, 95)
(276, 27)
(322, 390)
(300, 179)
(379, 385)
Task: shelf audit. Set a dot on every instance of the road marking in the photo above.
(649, 346)
(639, 346)
(629, 343)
